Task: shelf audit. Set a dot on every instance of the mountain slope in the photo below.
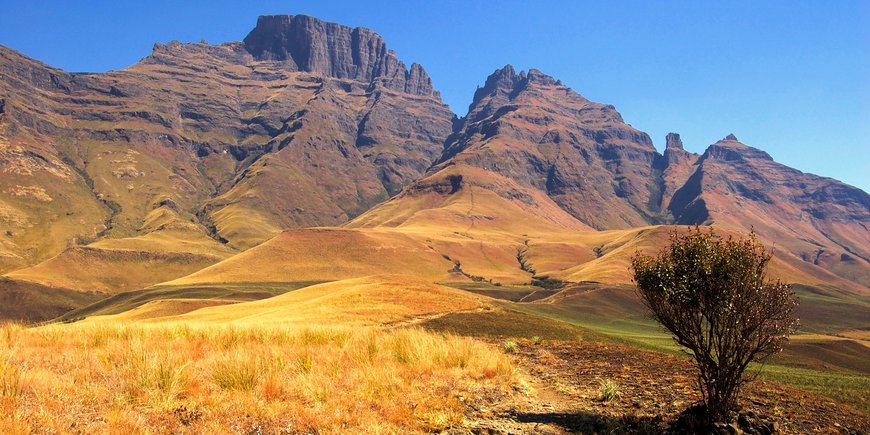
(190, 166)
(815, 220)
(534, 130)
(234, 136)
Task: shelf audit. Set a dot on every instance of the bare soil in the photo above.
(564, 379)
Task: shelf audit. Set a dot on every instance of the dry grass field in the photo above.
(187, 377)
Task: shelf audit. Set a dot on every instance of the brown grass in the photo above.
(194, 378)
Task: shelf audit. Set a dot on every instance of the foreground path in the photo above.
(564, 384)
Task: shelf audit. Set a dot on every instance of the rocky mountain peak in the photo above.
(507, 81)
(731, 149)
(305, 43)
(536, 76)
(673, 142)
(501, 80)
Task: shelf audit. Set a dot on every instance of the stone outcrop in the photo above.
(307, 44)
(676, 165)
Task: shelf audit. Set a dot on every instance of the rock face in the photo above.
(676, 165)
(817, 220)
(673, 142)
(332, 50)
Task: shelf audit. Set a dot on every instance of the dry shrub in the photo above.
(714, 296)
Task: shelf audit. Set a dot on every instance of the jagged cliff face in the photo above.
(307, 44)
(305, 123)
(675, 166)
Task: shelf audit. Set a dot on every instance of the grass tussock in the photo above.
(608, 390)
(196, 378)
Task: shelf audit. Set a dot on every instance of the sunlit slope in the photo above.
(465, 198)
(168, 248)
(323, 254)
(112, 270)
(131, 300)
(382, 299)
(614, 250)
(508, 239)
(165, 308)
(479, 220)
(463, 223)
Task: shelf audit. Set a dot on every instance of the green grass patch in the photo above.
(513, 293)
(834, 370)
(507, 324)
(637, 332)
(845, 388)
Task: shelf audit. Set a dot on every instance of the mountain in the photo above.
(198, 151)
(190, 166)
(536, 143)
(533, 129)
(818, 220)
(304, 123)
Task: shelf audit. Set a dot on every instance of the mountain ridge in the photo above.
(207, 150)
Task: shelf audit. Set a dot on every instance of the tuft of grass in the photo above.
(304, 363)
(237, 374)
(536, 340)
(10, 332)
(608, 390)
(11, 379)
(510, 346)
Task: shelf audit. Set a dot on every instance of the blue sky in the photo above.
(789, 77)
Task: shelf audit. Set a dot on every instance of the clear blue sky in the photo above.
(789, 77)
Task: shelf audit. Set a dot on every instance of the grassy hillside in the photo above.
(29, 302)
(324, 254)
(375, 300)
(237, 292)
(112, 270)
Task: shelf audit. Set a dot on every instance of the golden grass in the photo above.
(375, 300)
(194, 378)
(112, 270)
(325, 254)
(162, 308)
(486, 246)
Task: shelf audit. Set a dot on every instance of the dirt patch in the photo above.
(565, 388)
